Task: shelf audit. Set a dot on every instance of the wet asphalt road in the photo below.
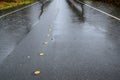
(15, 27)
(82, 45)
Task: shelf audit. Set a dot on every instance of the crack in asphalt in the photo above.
(42, 7)
(42, 10)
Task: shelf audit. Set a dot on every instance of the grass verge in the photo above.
(6, 5)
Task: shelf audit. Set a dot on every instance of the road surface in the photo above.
(77, 44)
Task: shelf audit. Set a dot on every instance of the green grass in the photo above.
(5, 5)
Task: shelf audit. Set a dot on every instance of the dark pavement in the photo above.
(80, 44)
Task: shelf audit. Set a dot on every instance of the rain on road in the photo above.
(64, 44)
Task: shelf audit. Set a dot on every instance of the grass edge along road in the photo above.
(6, 5)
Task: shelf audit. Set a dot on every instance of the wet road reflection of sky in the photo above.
(14, 27)
(80, 46)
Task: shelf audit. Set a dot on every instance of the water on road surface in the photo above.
(14, 27)
(77, 45)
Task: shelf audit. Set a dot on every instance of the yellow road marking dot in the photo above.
(41, 54)
(45, 43)
(37, 72)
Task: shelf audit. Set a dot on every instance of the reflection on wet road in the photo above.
(67, 43)
(15, 27)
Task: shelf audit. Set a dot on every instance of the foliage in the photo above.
(12, 3)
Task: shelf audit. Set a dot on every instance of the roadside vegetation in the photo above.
(5, 4)
(112, 2)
